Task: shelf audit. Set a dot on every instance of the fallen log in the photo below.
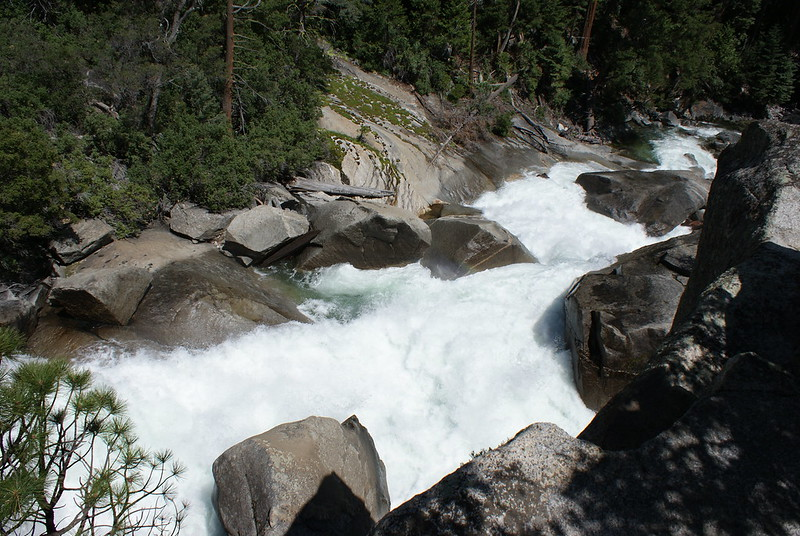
(300, 184)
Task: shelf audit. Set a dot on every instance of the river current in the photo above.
(436, 370)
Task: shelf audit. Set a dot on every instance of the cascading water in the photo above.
(435, 369)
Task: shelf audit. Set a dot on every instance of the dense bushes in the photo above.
(106, 108)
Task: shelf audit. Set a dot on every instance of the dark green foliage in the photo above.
(106, 107)
(58, 430)
(202, 162)
(502, 125)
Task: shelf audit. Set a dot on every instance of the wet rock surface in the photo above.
(463, 245)
(618, 316)
(659, 200)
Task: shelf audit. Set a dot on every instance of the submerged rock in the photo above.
(659, 200)
(462, 245)
(310, 477)
(107, 295)
(618, 316)
(81, 240)
(365, 234)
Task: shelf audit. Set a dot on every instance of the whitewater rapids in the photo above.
(436, 370)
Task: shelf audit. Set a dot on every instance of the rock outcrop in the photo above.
(659, 200)
(20, 305)
(462, 245)
(618, 316)
(748, 273)
(81, 240)
(755, 199)
(311, 477)
(197, 223)
(726, 467)
(108, 296)
(365, 234)
(206, 300)
(257, 234)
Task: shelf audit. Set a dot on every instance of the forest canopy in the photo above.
(110, 107)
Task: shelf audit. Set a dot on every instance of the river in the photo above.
(436, 370)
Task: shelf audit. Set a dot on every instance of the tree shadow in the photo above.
(333, 511)
(750, 308)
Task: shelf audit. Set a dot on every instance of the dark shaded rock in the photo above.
(659, 200)
(707, 111)
(311, 477)
(745, 282)
(669, 119)
(618, 316)
(107, 295)
(81, 240)
(205, 300)
(365, 234)
(462, 245)
(726, 467)
(755, 199)
(197, 223)
(744, 310)
(721, 141)
(20, 305)
(256, 234)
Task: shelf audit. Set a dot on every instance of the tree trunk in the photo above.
(587, 29)
(472, 43)
(510, 26)
(227, 98)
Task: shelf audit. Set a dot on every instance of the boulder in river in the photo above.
(617, 317)
(311, 477)
(260, 232)
(659, 200)
(106, 295)
(462, 245)
(81, 240)
(365, 234)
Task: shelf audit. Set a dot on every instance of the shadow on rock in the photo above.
(333, 511)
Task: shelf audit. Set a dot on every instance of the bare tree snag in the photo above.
(227, 98)
(587, 29)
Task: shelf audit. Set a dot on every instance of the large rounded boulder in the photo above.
(618, 316)
(310, 477)
(257, 234)
(462, 245)
(659, 200)
(81, 239)
(365, 234)
(106, 295)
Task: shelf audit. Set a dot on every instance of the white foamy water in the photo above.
(434, 369)
(682, 149)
